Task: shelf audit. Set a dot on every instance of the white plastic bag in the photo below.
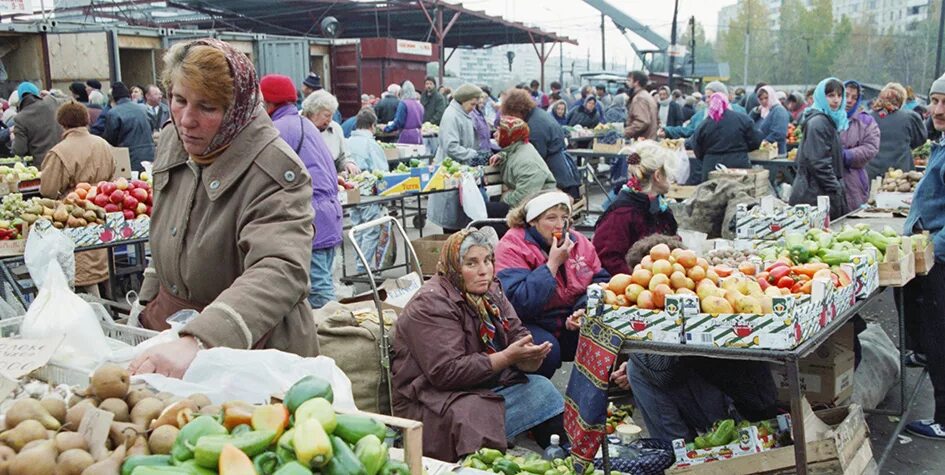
(682, 167)
(471, 198)
(46, 244)
(225, 374)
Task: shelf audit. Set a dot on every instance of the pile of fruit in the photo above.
(386, 145)
(405, 167)
(792, 154)
(821, 246)
(794, 134)
(920, 155)
(429, 128)
(900, 181)
(618, 415)
(799, 279)
(725, 432)
(158, 434)
(491, 460)
(132, 198)
(768, 147)
(63, 214)
(673, 144)
(729, 257)
(19, 172)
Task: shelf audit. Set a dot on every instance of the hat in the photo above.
(120, 91)
(78, 88)
(697, 95)
(277, 89)
(313, 81)
(27, 87)
(938, 86)
(716, 86)
(544, 202)
(466, 92)
(94, 84)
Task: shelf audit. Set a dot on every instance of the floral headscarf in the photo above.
(450, 266)
(839, 116)
(246, 98)
(718, 104)
(770, 103)
(512, 130)
(890, 99)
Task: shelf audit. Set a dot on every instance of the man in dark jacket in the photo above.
(386, 108)
(127, 125)
(434, 104)
(158, 111)
(35, 128)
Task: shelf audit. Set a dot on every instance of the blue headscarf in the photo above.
(839, 116)
(859, 96)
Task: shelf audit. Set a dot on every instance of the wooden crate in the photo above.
(899, 266)
(763, 154)
(754, 178)
(846, 451)
(607, 147)
(924, 258)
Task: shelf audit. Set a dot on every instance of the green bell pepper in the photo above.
(195, 469)
(351, 428)
(848, 234)
(293, 468)
(343, 460)
(266, 463)
(877, 239)
(489, 456)
(307, 388)
(183, 448)
(835, 258)
(135, 461)
(473, 462)
(700, 442)
(799, 254)
(506, 467)
(207, 451)
(241, 429)
(372, 453)
(723, 434)
(160, 470)
(393, 467)
(538, 467)
(285, 449)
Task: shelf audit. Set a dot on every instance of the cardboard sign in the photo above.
(401, 290)
(19, 356)
(94, 429)
(122, 160)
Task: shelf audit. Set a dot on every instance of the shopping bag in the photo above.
(682, 167)
(470, 198)
(44, 245)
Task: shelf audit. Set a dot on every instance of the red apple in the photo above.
(148, 212)
(129, 215)
(130, 202)
(99, 184)
(122, 184)
(117, 197)
(107, 188)
(141, 209)
(100, 200)
(140, 194)
(150, 199)
(140, 184)
(112, 208)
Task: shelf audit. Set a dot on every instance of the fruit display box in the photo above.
(410, 150)
(764, 222)
(924, 258)
(398, 183)
(601, 147)
(749, 442)
(898, 268)
(634, 323)
(115, 229)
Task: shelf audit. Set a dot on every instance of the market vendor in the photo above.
(231, 228)
(640, 208)
(408, 118)
(724, 138)
(460, 356)
(545, 268)
(820, 155)
(926, 215)
(772, 118)
(79, 158)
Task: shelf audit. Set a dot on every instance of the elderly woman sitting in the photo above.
(460, 357)
(545, 269)
(524, 172)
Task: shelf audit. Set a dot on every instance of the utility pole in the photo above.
(561, 64)
(603, 45)
(672, 46)
(941, 30)
(692, 44)
(747, 43)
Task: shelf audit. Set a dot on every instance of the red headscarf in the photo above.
(511, 130)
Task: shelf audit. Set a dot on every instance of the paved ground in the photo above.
(916, 456)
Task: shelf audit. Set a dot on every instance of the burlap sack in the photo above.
(706, 208)
(356, 350)
(728, 221)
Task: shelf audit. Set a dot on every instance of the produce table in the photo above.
(776, 165)
(396, 161)
(788, 358)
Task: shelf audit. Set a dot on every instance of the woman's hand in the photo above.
(170, 359)
(559, 253)
(352, 168)
(495, 159)
(620, 378)
(574, 321)
(523, 354)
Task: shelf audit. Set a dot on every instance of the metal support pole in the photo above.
(692, 44)
(672, 45)
(541, 59)
(747, 45)
(439, 43)
(941, 31)
(561, 64)
(603, 45)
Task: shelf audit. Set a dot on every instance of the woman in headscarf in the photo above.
(458, 142)
(545, 268)
(481, 126)
(860, 145)
(225, 186)
(772, 118)
(460, 356)
(524, 172)
(408, 118)
(900, 131)
(617, 110)
(820, 155)
(559, 110)
(724, 138)
(586, 115)
(640, 208)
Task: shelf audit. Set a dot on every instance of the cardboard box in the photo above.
(428, 251)
(394, 294)
(122, 162)
(349, 197)
(391, 153)
(607, 147)
(115, 229)
(633, 323)
(763, 154)
(398, 183)
(405, 150)
(827, 374)
(766, 222)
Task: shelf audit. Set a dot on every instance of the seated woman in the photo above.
(545, 270)
(460, 357)
(640, 209)
(524, 172)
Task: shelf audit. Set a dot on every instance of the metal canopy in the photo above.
(402, 19)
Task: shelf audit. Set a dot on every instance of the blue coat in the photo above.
(929, 201)
(773, 128)
(127, 125)
(547, 136)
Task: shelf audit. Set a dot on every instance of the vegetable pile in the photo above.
(821, 246)
(491, 460)
(920, 155)
(900, 181)
(725, 432)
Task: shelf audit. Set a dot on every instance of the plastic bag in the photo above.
(471, 198)
(682, 167)
(878, 371)
(45, 244)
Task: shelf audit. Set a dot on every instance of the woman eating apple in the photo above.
(545, 269)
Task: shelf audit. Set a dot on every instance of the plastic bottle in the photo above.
(554, 451)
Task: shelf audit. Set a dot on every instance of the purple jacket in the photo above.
(302, 136)
(483, 133)
(860, 145)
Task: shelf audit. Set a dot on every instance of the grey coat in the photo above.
(127, 125)
(457, 141)
(36, 129)
(900, 132)
(819, 164)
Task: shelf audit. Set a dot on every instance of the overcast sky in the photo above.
(580, 21)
